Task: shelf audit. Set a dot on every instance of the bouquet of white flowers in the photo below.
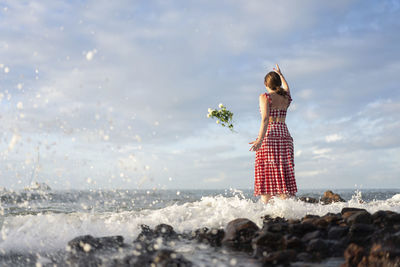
(224, 117)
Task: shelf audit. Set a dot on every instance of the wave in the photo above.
(49, 232)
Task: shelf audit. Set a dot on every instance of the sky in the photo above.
(114, 94)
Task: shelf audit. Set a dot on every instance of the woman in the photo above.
(274, 165)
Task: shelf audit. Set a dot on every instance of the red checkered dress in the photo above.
(274, 165)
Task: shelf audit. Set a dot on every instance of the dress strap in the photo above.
(269, 98)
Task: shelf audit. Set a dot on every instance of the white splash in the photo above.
(48, 232)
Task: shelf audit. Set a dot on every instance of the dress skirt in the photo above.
(274, 165)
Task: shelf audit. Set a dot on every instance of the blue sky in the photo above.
(114, 94)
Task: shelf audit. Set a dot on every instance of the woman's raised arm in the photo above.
(285, 85)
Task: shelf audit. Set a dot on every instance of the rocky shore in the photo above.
(360, 238)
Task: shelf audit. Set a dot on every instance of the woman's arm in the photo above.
(285, 85)
(263, 100)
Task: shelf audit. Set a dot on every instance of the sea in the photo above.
(35, 226)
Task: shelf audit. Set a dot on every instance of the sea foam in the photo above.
(52, 231)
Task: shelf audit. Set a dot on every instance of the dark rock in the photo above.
(309, 199)
(166, 257)
(276, 227)
(239, 233)
(295, 243)
(353, 255)
(360, 233)
(267, 241)
(311, 235)
(385, 253)
(162, 257)
(212, 236)
(344, 210)
(300, 229)
(330, 197)
(165, 231)
(331, 218)
(85, 243)
(111, 241)
(304, 256)
(336, 248)
(359, 217)
(318, 247)
(279, 257)
(337, 232)
(83, 260)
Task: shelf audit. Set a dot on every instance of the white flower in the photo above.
(220, 105)
(210, 110)
(208, 115)
(217, 121)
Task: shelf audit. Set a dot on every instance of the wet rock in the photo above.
(359, 217)
(295, 243)
(166, 257)
(330, 197)
(309, 199)
(344, 210)
(83, 260)
(267, 241)
(304, 256)
(165, 231)
(318, 247)
(85, 243)
(360, 233)
(337, 232)
(162, 257)
(385, 253)
(331, 218)
(336, 248)
(300, 229)
(311, 235)
(353, 255)
(239, 233)
(283, 257)
(212, 236)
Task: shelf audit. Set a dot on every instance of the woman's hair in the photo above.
(273, 81)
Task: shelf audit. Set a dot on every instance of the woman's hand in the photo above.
(277, 70)
(255, 145)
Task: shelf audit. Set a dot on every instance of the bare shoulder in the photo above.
(263, 96)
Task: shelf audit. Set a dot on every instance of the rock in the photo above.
(309, 200)
(385, 253)
(113, 242)
(304, 256)
(295, 243)
(311, 235)
(162, 257)
(330, 197)
(344, 210)
(85, 243)
(318, 247)
(337, 232)
(279, 257)
(359, 217)
(331, 219)
(300, 229)
(360, 233)
(336, 248)
(353, 255)
(239, 233)
(165, 231)
(166, 257)
(212, 236)
(267, 241)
